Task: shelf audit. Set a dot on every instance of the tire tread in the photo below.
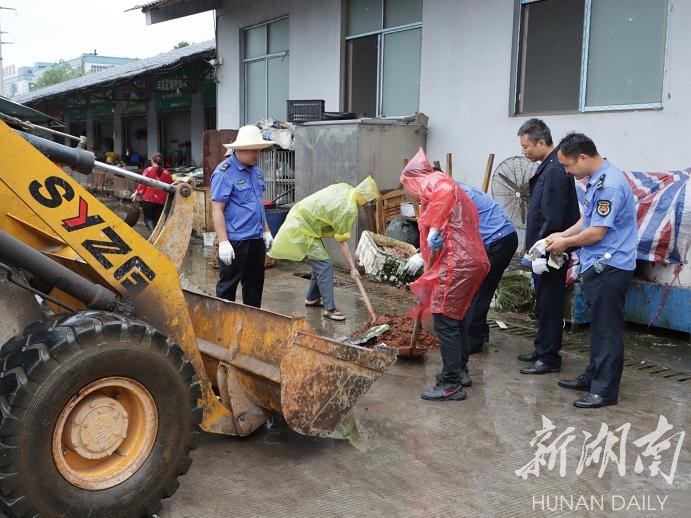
(27, 360)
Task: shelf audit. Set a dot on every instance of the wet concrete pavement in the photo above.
(418, 458)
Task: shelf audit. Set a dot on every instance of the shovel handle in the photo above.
(366, 299)
(346, 253)
(430, 259)
(413, 337)
(418, 323)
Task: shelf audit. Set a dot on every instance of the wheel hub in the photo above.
(96, 427)
(105, 433)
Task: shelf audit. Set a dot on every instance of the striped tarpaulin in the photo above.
(663, 212)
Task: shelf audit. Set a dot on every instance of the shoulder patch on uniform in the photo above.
(241, 181)
(224, 166)
(601, 182)
(604, 207)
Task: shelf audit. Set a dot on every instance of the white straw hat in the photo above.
(249, 137)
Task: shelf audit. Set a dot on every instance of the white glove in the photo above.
(540, 266)
(226, 252)
(268, 240)
(414, 264)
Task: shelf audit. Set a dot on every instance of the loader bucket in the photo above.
(262, 362)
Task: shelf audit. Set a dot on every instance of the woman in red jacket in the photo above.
(153, 199)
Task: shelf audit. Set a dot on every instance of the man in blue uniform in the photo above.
(553, 207)
(501, 241)
(608, 234)
(237, 205)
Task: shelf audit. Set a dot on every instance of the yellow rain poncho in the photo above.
(330, 212)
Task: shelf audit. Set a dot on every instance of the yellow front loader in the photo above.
(104, 386)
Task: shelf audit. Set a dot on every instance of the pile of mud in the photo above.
(399, 334)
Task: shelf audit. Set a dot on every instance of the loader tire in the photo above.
(94, 376)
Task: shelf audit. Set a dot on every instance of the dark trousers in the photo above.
(248, 268)
(152, 213)
(550, 290)
(606, 292)
(499, 254)
(452, 336)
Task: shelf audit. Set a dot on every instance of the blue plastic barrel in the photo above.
(275, 218)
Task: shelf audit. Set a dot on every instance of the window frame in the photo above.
(585, 48)
(381, 36)
(265, 58)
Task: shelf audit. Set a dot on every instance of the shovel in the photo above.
(418, 323)
(368, 335)
(365, 298)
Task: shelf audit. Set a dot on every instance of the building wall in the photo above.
(315, 38)
(465, 82)
(19, 80)
(465, 91)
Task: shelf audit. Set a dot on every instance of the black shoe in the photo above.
(538, 367)
(444, 392)
(528, 357)
(593, 401)
(465, 378)
(575, 384)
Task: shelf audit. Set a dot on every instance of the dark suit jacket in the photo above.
(553, 205)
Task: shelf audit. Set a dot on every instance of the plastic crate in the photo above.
(305, 110)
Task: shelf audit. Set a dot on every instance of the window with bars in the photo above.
(383, 57)
(589, 55)
(265, 61)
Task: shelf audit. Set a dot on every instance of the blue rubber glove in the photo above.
(434, 239)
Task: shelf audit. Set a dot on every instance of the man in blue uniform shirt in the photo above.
(553, 208)
(237, 205)
(501, 241)
(607, 231)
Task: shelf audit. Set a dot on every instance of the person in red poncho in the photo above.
(450, 234)
(153, 199)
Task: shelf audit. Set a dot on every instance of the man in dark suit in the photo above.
(553, 207)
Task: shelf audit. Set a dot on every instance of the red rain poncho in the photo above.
(461, 264)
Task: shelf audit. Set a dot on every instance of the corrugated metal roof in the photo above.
(120, 72)
(166, 10)
(145, 6)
